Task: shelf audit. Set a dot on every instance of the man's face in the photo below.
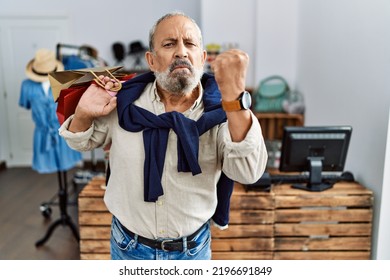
(178, 58)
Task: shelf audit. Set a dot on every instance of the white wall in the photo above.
(101, 23)
(3, 122)
(384, 226)
(227, 22)
(343, 70)
(265, 29)
(276, 39)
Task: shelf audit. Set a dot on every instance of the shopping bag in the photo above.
(69, 86)
(70, 78)
(67, 102)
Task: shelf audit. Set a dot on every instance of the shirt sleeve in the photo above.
(97, 135)
(24, 98)
(244, 161)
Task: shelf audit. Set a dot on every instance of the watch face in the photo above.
(246, 100)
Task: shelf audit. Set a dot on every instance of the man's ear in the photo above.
(204, 56)
(149, 56)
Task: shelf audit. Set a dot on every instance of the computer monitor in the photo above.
(314, 149)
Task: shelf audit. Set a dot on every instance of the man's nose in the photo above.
(181, 50)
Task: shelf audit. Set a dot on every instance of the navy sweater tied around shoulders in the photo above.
(155, 136)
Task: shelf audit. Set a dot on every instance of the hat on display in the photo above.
(136, 47)
(119, 51)
(42, 64)
(89, 50)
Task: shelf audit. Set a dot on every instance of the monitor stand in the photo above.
(315, 183)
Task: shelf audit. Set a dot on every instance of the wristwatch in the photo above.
(243, 102)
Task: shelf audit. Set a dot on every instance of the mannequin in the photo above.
(50, 152)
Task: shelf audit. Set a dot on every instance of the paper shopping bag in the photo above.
(67, 102)
(65, 79)
(74, 85)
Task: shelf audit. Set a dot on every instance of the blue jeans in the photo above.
(124, 247)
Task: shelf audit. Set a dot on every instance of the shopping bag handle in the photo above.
(97, 80)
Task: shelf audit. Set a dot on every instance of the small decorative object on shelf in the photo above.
(212, 51)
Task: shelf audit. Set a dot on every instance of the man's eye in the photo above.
(167, 45)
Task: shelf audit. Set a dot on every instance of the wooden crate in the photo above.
(249, 236)
(284, 223)
(250, 231)
(333, 224)
(272, 124)
(94, 222)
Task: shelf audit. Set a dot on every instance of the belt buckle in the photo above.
(163, 244)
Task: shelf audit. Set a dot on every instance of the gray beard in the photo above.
(179, 83)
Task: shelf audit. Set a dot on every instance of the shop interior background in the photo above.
(336, 52)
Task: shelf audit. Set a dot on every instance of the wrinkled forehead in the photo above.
(177, 27)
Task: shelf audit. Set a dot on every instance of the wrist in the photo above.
(231, 94)
(82, 116)
(80, 122)
(242, 102)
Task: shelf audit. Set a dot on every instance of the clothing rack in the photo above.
(61, 47)
(87, 53)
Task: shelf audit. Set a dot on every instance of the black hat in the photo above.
(136, 47)
(119, 51)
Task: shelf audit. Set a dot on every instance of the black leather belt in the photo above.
(167, 244)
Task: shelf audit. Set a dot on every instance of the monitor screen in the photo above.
(314, 149)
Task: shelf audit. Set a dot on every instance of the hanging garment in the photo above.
(50, 151)
(72, 62)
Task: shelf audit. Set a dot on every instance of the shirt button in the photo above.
(162, 231)
(160, 203)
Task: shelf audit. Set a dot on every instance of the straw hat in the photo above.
(43, 63)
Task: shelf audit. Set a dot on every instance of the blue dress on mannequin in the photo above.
(50, 151)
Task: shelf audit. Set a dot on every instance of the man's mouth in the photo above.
(180, 65)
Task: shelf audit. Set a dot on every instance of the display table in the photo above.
(283, 223)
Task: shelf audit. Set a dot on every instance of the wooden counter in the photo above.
(283, 223)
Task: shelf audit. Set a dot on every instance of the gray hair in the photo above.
(166, 16)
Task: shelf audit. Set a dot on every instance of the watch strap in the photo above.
(230, 106)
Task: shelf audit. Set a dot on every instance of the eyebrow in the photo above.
(169, 39)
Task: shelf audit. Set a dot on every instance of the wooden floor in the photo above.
(22, 224)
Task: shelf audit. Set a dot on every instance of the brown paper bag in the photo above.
(69, 86)
(70, 78)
